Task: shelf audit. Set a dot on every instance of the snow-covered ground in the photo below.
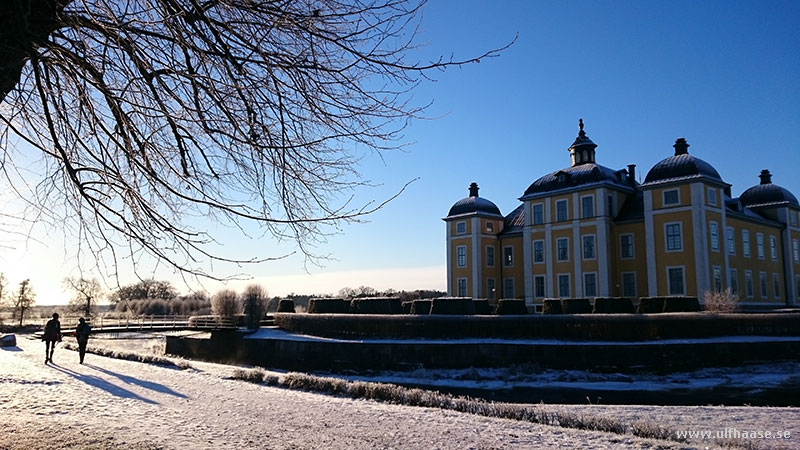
(110, 404)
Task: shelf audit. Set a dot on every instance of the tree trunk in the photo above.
(24, 26)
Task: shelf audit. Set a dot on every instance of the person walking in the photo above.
(52, 335)
(82, 332)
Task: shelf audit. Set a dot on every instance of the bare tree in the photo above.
(24, 300)
(3, 294)
(87, 293)
(150, 113)
(254, 302)
(226, 304)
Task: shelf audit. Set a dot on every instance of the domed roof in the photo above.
(576, 176)
(682, 165)
(767, 194)
(474, 204)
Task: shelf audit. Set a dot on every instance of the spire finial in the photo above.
(766, 177)
(473, 189)
(681, 146)
(580, 126)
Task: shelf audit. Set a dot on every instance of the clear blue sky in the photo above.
(724, 75)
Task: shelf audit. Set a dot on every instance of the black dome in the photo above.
(681, 165)
(767, 194)
(576, 176)
(474, 204)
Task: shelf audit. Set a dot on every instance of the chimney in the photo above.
(473, 189)
(681, 147)
(632, 174)
(766, 177)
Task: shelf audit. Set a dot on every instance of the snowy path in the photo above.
(110, 404)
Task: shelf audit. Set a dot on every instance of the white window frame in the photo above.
(533, 213)
(459, 292)
(544, 286)
(544, 257)
(773, 248)
(730, 238)
(680, 237)
(733, 276)
(749, 288)
(776, 285)
(583, 207)
(716, 278)
(796, 250)
(461, 262)
(505, 288)
(683, 280)
(506, 262)
(622, 246)
(489, 226)
(594, 247)
(760, 246)
(566, 210)
(762, 284)
(460, 225)
(746, 243)
(635, 287)
(677, 197)
(569, 285)
(713, 229)
(712, 196)
(586, 275)
(558, 249)
(493, 259)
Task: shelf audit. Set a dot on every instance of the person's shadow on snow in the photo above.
(102, 384)
(132, 380)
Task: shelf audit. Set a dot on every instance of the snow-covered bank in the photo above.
(120, 404)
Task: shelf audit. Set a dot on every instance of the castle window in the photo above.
(762, 281)
(714, 236)
(773, 248)
(563, 285)
(748, 283)
(538, 251)
(508, 256)
(490, 227)
(461, 256)
(538, 214)
(760, 245)
(730, 236)
(734, 276)
(590, 285)
(587, 206)
(588, 247)
(562, 244)
(796, 250)
(746, 243)
(626, 246)
(538, 286)
(675, 280)
(561, 211)
(490, 256)
(462, 287)
(712, 196)
(776, 285)
(508, 288)
(671, 197)
(673, 237)
(490, 288)
(461, 227)
(717, 274)
(629, 284)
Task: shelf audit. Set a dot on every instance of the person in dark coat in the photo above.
(82, 334)
(52, 334)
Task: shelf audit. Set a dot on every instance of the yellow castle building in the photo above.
(591, 231)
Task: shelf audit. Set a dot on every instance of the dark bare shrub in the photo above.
(254, 303)
(721, 302)
(552, 306)
(613, 305)
(511, 306)
(226, 305)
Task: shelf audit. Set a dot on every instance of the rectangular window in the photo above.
(508, 288)
(712, 196)
(491, 290)
(508, 256)
(746, 243)
(626, 246)
(461, 256)
(538, 286)
(776, 285)
(675, 278)
(462, 287)
(734, 276)
(490, 227)
(587, 206)
(671, 197)
(588, 247)
(717, 274)
(461, 227)
(590, 285)
(563, 285)
(674, 241)
(796, 250)
(748, 283)
(714, 236)
(731, 241)
(490, 256)
(760, 245)
(629, 285)
(773, 248)
(561, 211)
(793, 218)
(762, 281)
(562, 244)
(538, 214)
(538, 251)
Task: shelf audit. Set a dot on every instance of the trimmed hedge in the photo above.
(552, 306)
(286, 305)
(511, 306)
(650, 305)
(576, 306)
(681, 304)
(407, 307)
(613, 305)
(376, 305)
(421, 307)
(482, 307)
(453, 305)
(328, 306)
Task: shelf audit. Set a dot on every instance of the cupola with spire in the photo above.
(766, 194)
(474, 205)
(582, 150)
